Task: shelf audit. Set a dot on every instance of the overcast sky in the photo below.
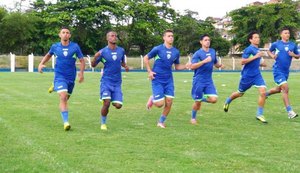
(205, 8)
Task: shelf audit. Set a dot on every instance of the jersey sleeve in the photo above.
(78, 52)
(273, 47)
(247, 53)
(195, 58)
(52, 49)
(100, 57)
(215, 57)
(153, 53)
(177, 61)
(296, 50)
(123, 56)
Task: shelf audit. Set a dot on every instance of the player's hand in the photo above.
(292, 54)
(188, 65)
(81, 77)
(126, 68)
(207, 59)
(263, 64)
(260, 54)
(40, 68)
(151, 75)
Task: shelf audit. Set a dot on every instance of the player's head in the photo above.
(112, 37)
(205, 40)
(253, 38)
(285, 33)
(168, 37)
(64, 33)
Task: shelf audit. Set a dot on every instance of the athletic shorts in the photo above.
(280, 78)
(200, 90)
(160, 90)
(248, 82)
(62, 85)
(111, 92)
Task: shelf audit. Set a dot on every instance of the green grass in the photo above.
(33, 139)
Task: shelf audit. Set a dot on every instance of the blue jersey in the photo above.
(112, 60)
(251, 69)
(66, 57)
(164, 58)
(203, 74)
(283, 60)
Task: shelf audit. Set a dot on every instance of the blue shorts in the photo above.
(62, 85)
(160, 90)
(200, 90)
(111, 92)
(248, 82)
(280, 78)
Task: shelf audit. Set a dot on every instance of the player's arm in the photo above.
(81, 68)
(147, 64)
(292, 54)
(249, 59)
(219, 65)
(123, 64)
(45, 59)
(94, 61)
(181, 66)
(200, 63)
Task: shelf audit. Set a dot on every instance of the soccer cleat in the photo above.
(226, 107)
(51, 88)
(261, 118)
(149, 103)
(194, 121)
(103, 127)
(292, 114)
(67, 126)
(161, 125)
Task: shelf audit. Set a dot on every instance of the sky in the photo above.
(205, 8)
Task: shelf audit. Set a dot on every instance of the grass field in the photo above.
(33, 139)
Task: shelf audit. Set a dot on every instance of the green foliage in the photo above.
(267, 20)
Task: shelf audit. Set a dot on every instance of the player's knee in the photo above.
(117, 105)
(213, 99)
(159, 104)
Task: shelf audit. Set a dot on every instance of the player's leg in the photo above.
(210, 94)
(158, 97)
(168, 90)
(51, 88)
(61, 87)
(261, 104)
(285, 97)
(105, 96)
(279, 79)
(117, 97)
(197, 95)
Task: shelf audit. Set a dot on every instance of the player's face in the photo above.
(255, 39)
(112, 37)
(168, 38)
(64, 34)
(285, 35)
(205, 42)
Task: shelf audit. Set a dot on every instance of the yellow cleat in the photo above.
(226, 107)
(51, 88)
(103, 127)
(262, 119)
(67, 126)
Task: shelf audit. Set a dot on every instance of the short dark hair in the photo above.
(250, 35)
(168, 30)
(202, 36)
(284, 28)
(64, 27)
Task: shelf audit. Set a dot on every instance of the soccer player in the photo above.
(113, 57)
(251, 76)
(203, 89)
(66, 53)
(165, 55)
(282, 52)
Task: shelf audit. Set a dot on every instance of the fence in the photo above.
(30, 63)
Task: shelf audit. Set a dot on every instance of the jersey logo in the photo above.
(286, 48)
(168, 56)
(114, 57)
(65, 52)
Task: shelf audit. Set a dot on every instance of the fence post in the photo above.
(90, 63)
(12, 62)
(142, 62)
(261, 61)
(220, 61)
(30, 62)
(233, 63)
(53, 61)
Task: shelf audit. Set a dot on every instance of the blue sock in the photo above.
(194, 114)
(260, 111)
(162, 118)
(228, 100)
(288, 108)
(103, 119)
(65, 116)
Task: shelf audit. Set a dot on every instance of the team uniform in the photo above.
(65, 67)
(281, 67)
(250, 74)
(203, 85)
(163, 83)
(111, 80)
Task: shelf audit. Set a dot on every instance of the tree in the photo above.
(266, 19)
